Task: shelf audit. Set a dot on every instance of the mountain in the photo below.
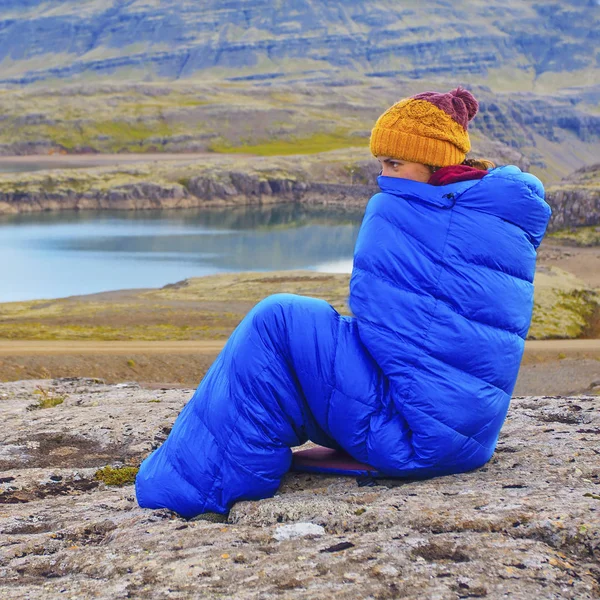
(170, 39)
(284, 76)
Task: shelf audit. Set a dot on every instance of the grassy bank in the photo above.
(205, 308)
(565, 307)
(209, 308)
(219, 116)
(583, 237)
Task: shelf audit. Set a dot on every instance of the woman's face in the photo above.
(394, 167)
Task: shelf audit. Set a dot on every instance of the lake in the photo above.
(52, 255)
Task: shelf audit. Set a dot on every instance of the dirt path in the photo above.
(541, 350)
(49, 348)
(555, 367)
(67, 161)
(534, 349)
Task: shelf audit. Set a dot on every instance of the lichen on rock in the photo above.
(564, 307)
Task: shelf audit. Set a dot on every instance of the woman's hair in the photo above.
(482, 164)
(479, 163)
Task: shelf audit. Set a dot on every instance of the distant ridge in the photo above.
(175, 40)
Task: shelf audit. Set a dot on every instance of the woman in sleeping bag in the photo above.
(418, 382)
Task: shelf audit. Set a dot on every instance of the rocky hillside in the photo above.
(281, 77)
(524, 526)
(552, 135)
(266, 39)
(575, 200)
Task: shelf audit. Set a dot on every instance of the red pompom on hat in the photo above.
(459, 104)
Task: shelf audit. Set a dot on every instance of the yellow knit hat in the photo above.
(428, 128)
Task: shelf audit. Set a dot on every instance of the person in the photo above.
(417, 382)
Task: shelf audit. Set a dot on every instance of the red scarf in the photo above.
(454, 174)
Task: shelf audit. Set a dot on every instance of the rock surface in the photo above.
(200, 192)
(527, 525)
(575, 200)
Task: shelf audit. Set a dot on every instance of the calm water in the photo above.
(51, 255)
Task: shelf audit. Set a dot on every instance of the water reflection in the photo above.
(50, 163)
(244, 217)
(56, 254)
(30, 167)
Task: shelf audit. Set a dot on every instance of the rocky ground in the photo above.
(525, 526)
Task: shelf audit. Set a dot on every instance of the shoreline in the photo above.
(202, 180)
(154, 181)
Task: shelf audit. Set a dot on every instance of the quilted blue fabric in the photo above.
(416, 384)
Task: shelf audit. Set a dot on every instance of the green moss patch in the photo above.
(116, 476)
(143, 332)
(580, 236)
(46, 399)
(564, 308)
(314, 144)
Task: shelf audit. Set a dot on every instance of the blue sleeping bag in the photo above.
(416, 384)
